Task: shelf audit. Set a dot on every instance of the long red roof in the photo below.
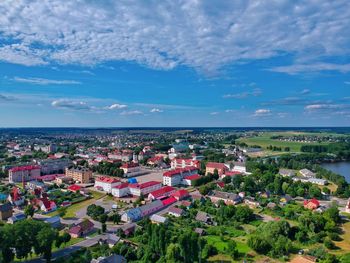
(144, 185)
(24, 168)
(179, 171)
(162, 191)
(216, 165)
(108, 180)
(169, 201)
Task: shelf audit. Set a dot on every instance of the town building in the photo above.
(181, 194)
(239, 167)
(183, 163)
(144, 188)
(54, 166)
(106, 184)
(175, 177)
(23, 173)
(158, 219)
(131, 169)
(138, 213)
(121, 190)
(64, 180)
(161, 193)
(81, 174)
(220, 167)
(190, 179)
(318, 181)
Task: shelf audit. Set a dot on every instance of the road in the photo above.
(68, 250)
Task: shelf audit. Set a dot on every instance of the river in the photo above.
(342, 168)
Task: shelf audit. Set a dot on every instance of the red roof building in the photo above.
(161, 193)
(181, 194)
(311, 204)
(220, 167)
(74, 188)
(169, 201)
(144, 188)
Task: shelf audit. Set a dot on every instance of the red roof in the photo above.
(121, 186)
(129, 165)
(313, 201)
(162, 191)
(74, 188)
(192, 177)
(108, 180)
(181, 193)
(179, 171)
(144, 185)
(216, 165)
(169, 201)
(25, 168)
(221, 184)
(231, 173)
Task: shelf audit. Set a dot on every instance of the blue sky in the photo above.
(174, 63)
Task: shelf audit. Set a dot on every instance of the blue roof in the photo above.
(132, 180)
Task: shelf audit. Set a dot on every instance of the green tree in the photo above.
(29, 211)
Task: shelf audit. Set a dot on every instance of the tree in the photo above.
(45, 238)
(95, 211)
(62, 211)
(29, 211)
(104, 227)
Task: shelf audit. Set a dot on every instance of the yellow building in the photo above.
(81, 174)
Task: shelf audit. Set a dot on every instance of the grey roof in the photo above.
(5, 207)
(158, 218)
(151, 205)
(202, 216)
(111, 259)
(225, 195)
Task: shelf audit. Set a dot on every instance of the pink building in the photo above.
(106, 184)
(183, 163)
(144, 188)
(162, 192)
(24, 173)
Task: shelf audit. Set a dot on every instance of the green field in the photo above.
(264, 140)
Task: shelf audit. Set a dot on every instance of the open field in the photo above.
(264, 140)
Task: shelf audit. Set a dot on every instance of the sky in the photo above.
(174, 63)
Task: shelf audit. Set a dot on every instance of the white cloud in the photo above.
(347, 82)
(326, 106)
(205, 35)
(214, 113)
(262, 113)
(243, 95)
(116, 106)
(300, 68)
(156, 110)
(41, 81)
(71, 105)
(133, 112)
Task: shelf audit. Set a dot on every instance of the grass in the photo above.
(71, 210)
(265, 140)
(344, 245)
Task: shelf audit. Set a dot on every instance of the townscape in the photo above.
(172, 195)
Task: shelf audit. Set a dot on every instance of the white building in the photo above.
(183, 163)
(144, 188)
(24, 173)
(106, 184)
(121, 190)
(307, 173)
(174, 177)
(318, 181)
(239, 167)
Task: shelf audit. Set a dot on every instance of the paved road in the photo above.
(68, 250)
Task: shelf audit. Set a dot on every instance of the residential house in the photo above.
(174, 211)
(311, 204)
(5, 211)
(158, 219)
(54, 221)
(239, 167)
(285, 199)
(81, 229)
(200, 231)
(251, 202)
(286, 172)
(318, 181)
(307, 173)
(16, 218)
(74, 188)
(110, 259)
(203, 217)
(228, 198)
(15, 197)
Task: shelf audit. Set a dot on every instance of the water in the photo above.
(342, 168)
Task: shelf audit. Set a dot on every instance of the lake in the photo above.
(342, 168)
